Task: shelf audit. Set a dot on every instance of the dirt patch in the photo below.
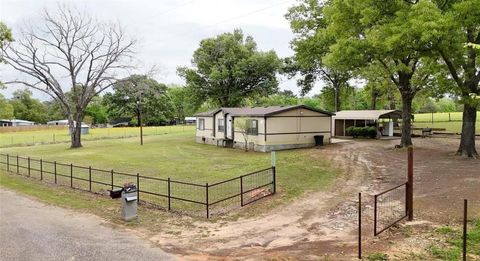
(324, 224)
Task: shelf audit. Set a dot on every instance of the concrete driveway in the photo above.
(30, 230)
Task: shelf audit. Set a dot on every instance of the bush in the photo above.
(370, 132)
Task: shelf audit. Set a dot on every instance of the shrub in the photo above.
(370, 132)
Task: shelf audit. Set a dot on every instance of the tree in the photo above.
(311, 44)
(139, 94)
(182, 102)
(68, 42)
(6, 109)
(27, 108)
(396, 35)
(97, 111)
(243, 125)
(461, 57)
(281, 98)
(5, 37)
(229, 68)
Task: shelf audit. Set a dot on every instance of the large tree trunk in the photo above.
(374, 99)
(407, 99)
(467, 141)
(76, 131)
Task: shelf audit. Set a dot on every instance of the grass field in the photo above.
(452, 122)
(22, 138)
(176, 155)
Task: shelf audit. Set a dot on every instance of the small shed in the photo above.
(362, 118)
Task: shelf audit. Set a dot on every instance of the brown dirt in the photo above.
(324, 224)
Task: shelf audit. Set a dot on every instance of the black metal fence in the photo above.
(390, 207)
(185, 197)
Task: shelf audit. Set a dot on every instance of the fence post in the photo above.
(138, 187)
(410, 184)
(375, 216)
(28, 166)
(274, 172)
(41, 169)
(360, 225)
(90, 178)
(241, 190)
(432, 117)
(112, 178)
(17, 165)
(206, 199)
(55, 170)
(168, 192)
(54, 138)
(8, 162)
(449, 119)
(465, 213)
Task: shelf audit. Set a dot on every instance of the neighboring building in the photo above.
(85, 127)
(269, 128)
(6, 123)
(58, 122)
(362, 118)
(190, 120)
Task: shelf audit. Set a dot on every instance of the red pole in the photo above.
(410, 184)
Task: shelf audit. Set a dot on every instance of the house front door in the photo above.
(229, 127)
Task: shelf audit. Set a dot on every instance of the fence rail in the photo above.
(390, 207)
(192, 198)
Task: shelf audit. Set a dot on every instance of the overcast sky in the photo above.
(169, 31)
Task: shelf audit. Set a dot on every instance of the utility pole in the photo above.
(139, 105)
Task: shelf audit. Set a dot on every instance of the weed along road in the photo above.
(30, 230)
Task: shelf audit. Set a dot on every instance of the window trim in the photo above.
(253, 131)
(201, 121)
(221, 125)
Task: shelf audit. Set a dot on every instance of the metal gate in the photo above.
(390, 207)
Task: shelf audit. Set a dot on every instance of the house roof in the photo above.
(258, 111)
(368, 114)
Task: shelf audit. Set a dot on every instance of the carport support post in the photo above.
(410, 184)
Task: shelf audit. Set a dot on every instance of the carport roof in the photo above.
(367, 114)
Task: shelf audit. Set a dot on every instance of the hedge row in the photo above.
(370, 132)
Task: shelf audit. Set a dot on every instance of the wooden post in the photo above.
(410, 184)
(112, 178)
(360, 225)
(17, 165)
(55, 171)
(8, 162)
(465, 213)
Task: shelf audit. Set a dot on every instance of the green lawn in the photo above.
(178, 156)
(452, 123)
(61, 135)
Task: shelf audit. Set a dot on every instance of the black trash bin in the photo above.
(318, 140)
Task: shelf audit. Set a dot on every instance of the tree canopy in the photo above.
(228, 68)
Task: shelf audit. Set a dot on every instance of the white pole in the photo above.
(273, 158)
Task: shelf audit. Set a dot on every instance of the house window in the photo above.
(221, 125)
(201, 124)
(252, 127)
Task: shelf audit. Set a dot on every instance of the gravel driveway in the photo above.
(30, 230)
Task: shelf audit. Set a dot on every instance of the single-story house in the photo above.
(362, 118)
(264, 128)
(6, 123)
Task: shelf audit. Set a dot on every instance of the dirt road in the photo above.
(30, 230)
